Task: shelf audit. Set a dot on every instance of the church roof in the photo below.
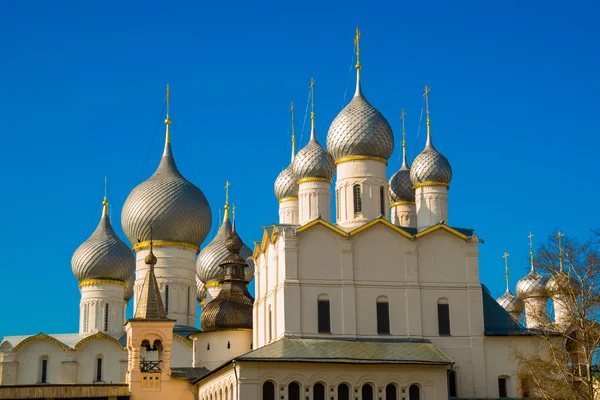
(188, 372)
(150, 306)
(65, 391)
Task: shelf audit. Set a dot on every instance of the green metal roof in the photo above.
(401, 351)
(496, 320)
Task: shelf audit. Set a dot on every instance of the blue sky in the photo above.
(514, 104)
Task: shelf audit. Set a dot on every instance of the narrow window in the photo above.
(106, 318)
(207, 346)
(343, 392)
(367, 392)
(268, 392)
(188, 302)
(443, 318)
(294, 391)
(99, 369)
(414, 392)
(390, 392)
(382, 200)
(86, 310)
(452, 383)
(324, 318)
(337, 205)
(383, 317)
(167, 299)
(502, 387)
(44, 372)
(228, 345)
(270, 325)
(357, 200)
(319, 391)
(309, 206)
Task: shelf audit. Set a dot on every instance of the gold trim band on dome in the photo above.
(164, 243)
(212, 284)
(287, 199)
(402, 203)
(90, 282)
(304, 180)
(356, 158)
(423, 184)
(202, 303)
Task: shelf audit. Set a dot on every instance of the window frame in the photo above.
(443, 314)
(99, 375)
(383, 316)
(502, 384)
(106, 316)
(382, 200)
(348, 394)
(321, 328)
(44, 370)
(357, 200)
(264, 385)
(321, 384)
(411, 395)
(387, 396)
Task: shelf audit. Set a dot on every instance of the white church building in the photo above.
(365, 289)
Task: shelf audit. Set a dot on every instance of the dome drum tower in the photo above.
(286, 187)
(403, 208)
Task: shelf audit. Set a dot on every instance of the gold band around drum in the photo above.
(90, 282)
(418, 185)
(402, 203)
(212, 284)
(356, 158)
(287, 199)
(304, 180)
(164, 243)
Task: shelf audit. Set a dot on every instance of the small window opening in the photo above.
(106, 318)
(99, 369)
(357, 200)
(324, 317)
(414, 392)
(319, 391)
(228, 345)
(383, 317)
(502, 387)
(382, 200)
(167, 299)
(44, 372)
(443, 318)
(367, 392)
(390, 392)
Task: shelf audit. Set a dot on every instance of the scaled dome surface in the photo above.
(169, 204)
(532, 285)
(401, 188)
(286, 184)
(511, 303)
(313, 161)
(430, 166)
(104, 255)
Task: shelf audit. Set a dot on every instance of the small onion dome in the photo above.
(533, 285)
(313, 161)
(232, 308)
(210, 258)
(201, 290)
(360, 130)
(103, 255)
(430, 166)
(562, 283)
(401, 188)
(170, 205)
(511, 303)
(129, 288)
(286, 184)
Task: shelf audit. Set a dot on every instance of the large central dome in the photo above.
(360, 130)
(169, 205)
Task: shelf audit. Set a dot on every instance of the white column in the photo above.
(95, 296)
(175, 268)
(562, 311)
(314, 200)
(404, 213)
(288, 211)
(432, 205)
(370, 176)
(536, 314)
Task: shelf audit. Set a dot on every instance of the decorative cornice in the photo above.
(183, 339)
(423, 184)
(164, 243)
(287, 199)
(403, 203)
(304, 180)
(444, 227)
(99, 335)
(91, 282)
(42, 336)
(325, 224)
(358, 158)
(384, 222)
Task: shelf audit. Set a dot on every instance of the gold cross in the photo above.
(426, 95)
(357, 44)
(559, 235)
(312, 94)
(227, 193)
(233, 212)
(530, 241)
(167, 120)
(505, 256)
(403, 133)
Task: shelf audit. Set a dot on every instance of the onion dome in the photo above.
(360, 130)
(286, 184)
(167, 203)
(103, 255)
(430, 166)
(511, 303)
(129, 288)
(533, 285)
(401, 188)
(210, 258)
(232, 308)
(201, 290)
(563, 284)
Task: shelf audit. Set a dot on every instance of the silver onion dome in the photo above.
(511, 303)
(286, 184)
(430, 166)
(129, 288)
(104, 255)
(401, 188)
(563, 284)
(169, 205)
(360, 130)
(533, 285)
(313, 161)
(201, 290)
(210, 258)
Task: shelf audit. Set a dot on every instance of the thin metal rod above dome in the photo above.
(505, 256)
(559, 235)
(293, 132)
(429, 140)
(404, 161)
(531, 251)
(226, 215)
(168, 125)
(313, 135)
(358, 65)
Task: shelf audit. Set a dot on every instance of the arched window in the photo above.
(414, 392)
(452, 383)
(86, 310)
(391, 392)
(343, 392)
(357, 200)
(337, 205)
(270, 325)
(294, 391)
(383, 316)
(443, 317)
(167, 299)
(502, 392)
(188, 302)
(323, 314)
(268, 391)
(226, 393)
(44, 369)
(367, 392)
(106, 318)
(319, 391)
(99, 369)
(382, 200)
